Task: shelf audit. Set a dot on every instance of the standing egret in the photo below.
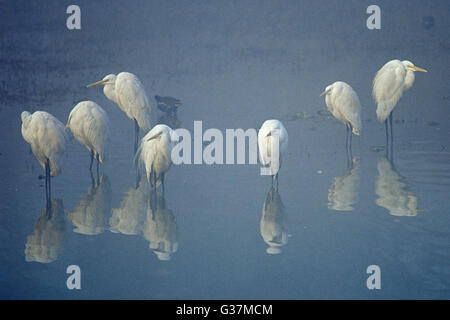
(90, 125)
(127, 91)
(47, 138)
(154, 153)
(271, 133)
(343, 103)
(388, 86)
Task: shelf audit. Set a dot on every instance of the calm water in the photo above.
(233, 65)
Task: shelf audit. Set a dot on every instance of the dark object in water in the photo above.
(167, 104)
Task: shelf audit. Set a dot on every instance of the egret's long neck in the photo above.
(110, 92)
(409, 79)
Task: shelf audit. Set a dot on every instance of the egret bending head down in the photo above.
(272, 142)
(154, 153)
(47, 139)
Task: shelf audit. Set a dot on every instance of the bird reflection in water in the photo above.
(273, 222)
(129, 217)
(343, 192)
(46, 242)
(393, 191)
(160, 227)
(90, 215)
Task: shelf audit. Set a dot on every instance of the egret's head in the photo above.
(327, 90)
(109, 79)
(24, 115)
(161, 130)
(410, 66)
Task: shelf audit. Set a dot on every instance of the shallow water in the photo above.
(233, 65)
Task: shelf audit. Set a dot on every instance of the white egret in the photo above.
(47, 138)
(343, 103)
(271, 132)
(154, 153)
(90, 125)
(127, 91)
(388, 86)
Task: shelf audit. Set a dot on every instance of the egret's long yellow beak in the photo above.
(67, 125)
(326, 91)
(154, 136)
(97, 83)
(419, 69)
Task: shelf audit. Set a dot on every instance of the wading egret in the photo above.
(270, 132)
(47, 138)
(154, 153)
(127, 91)
(388, 86)
(343, 103)
(90, 125)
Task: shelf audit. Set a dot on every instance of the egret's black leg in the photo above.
(92, 160)
(391, 136)
(152, 178)
(162, 182)
(346, 137)
(137, 177)
(386, 124)
(48, 189)
(350, 143)
(136, 136)
(276, 177)
(98, 164)
(46, 182)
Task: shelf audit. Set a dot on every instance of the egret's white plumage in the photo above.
(127, 91)
(47, 138)
(90, 125)
(389, 84)
(343, 103)
(266, 138)
(154, 153)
